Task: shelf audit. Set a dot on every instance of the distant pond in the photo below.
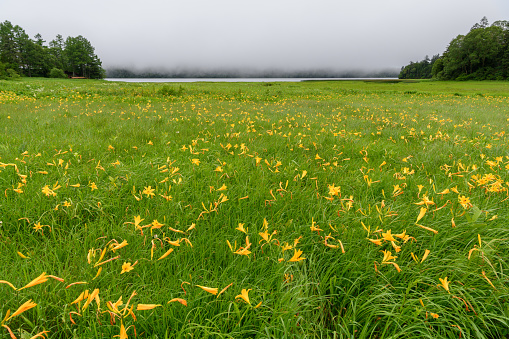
(240, 79)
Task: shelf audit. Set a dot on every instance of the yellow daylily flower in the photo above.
(166, 254)
(8, 283)
(377, 242)
(241, 228)
(488, 280)
(180, 300)
(126, 267)
(244, 295)
(148, 191)
(83, 295)
(25, 307)
(224, 289)
(208, 289)
(388, 236)
(39, 227)
(41, 334)
(313, 227)
(286, 247)
(426, 253)
(421, 214)
(114, 306)
(425, 201)
(156, 224)
(119, 246)
(296, 256)
(22, 255)
(137, 221)
(445, 283)
(48, 191)
(333, 190)
(242, 251)
(387, 256)
(98, 272)
(123, 332)
(92, 296)
(39, 280)
(146, 307)
(464, 201)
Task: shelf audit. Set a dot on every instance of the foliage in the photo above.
(166, 90)
(481, 54)
(7, 73)
(81, 59)
(57, 73)
(11, 74)
(350, 209)
(419, 70)
(32, 58)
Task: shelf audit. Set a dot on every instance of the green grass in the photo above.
(278, 148)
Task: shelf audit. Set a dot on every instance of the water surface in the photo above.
(238, 79)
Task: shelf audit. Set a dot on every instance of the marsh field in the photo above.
(328, 209)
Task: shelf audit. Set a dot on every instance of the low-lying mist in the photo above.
(126, 72)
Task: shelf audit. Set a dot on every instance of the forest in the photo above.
(481, 54)
(60, 58)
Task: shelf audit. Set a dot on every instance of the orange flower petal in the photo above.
(208, 289)
(145, 307)
(182, 301)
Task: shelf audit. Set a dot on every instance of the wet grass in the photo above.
(359, 202)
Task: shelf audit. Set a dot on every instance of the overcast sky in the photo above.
(256, 34)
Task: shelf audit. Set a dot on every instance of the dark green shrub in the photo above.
(166, 90)
(57, 73)
(11, 74)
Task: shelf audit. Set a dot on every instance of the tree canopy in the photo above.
(20, 55)
(481, 54)
(419, 70)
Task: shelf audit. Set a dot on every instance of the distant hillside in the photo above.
(199, 73)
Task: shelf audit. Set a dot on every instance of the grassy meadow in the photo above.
(319, 209)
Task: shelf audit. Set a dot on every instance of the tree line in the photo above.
(481, 54)
(22, 56)
(419, 70)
